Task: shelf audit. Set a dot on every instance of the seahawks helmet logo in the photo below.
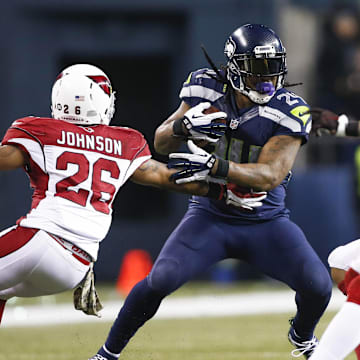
(229, 48)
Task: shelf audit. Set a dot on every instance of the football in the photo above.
(203, 143)
(212, 109)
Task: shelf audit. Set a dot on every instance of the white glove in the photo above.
(202, 126)
(193, 167)
(86, 298)
(240, 198)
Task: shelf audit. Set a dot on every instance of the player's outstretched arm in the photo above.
(11, 157)
(155, 173)
(274, 163)
(326, 121)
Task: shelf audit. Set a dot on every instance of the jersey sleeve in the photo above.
(19, 129)
(290, 112)
(137, 151)
(23, 133)
(201, 86)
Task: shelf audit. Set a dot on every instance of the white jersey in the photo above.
(76, 172)
(346, 256)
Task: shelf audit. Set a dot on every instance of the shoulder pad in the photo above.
(291, 105)
(202, 85)
(29, 120)
(126, 132)
(134, 142)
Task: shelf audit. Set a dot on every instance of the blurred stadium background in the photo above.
(148, 49)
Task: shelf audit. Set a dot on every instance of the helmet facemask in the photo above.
(257, 75)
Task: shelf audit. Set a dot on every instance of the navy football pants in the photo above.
(277, 247)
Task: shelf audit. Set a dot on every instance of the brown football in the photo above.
(211, 109)
(204, 143)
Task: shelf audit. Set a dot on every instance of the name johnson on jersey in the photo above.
(75, 172)
(92, 142)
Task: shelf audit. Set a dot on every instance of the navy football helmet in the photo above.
(256, 62)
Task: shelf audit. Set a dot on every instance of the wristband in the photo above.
(222, 169)
(178, 128)
(187, 123)
(216, 191)
(352, 129)
(343, 121)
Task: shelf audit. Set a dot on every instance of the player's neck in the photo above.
(242, 101)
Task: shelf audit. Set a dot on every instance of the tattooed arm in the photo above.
(275, 161)
(11, 157)
(154, 173)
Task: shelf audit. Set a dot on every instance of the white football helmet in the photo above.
(82, 94)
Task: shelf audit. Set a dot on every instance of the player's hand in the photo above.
(243, 198)
(193, 167)
(203, 126)
(324, 121)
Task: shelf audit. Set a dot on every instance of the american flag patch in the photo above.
(79, 98)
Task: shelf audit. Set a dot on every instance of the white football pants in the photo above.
(32, 263)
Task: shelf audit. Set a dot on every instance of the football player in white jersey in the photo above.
(342, 335)
(76, 163)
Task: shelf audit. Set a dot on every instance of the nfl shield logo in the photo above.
(234, 124)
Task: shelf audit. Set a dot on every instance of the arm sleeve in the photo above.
(140, 152)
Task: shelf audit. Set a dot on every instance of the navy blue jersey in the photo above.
(249, 130)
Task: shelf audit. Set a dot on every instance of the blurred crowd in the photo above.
(338, 64)
(337, 84)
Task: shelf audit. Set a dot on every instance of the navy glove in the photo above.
(193, 167)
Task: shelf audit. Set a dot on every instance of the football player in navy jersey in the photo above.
(255, 150)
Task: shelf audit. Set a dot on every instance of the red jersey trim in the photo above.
(33, 137)
(15, 239)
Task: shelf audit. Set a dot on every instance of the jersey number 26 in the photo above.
(102, 192)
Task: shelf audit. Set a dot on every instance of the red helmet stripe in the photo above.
(103, 82)
(59, 76)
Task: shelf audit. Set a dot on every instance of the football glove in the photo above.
(243, 198)
(193, 167)
(86, 298)
(204, 126)
(325, 121)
